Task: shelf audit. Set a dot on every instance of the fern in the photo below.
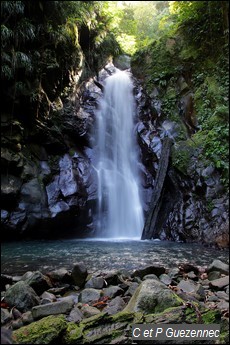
(22, 60)
(7, 72)
(24, 31)
(12, 7)
(6, 35)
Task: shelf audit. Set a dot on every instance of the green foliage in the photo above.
(42, 43)
(136, 24)
(12, 7)
(195, 41)
(200, 23)
(211, 101)
(181, 157)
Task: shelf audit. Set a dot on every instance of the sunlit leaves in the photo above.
(127, 43)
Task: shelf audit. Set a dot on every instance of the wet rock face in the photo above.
(40, 202)
(195, 207)
(197, 217)
(48, 176)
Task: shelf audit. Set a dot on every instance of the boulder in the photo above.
(39, 282)
(131, 289)
(89, 311)
(60, 307)
(21, 296)
(114, 306)
(214, 275)
(218, 265)
(75, 315)
(192, 288)
(112, 278)
(61, 275)
(27, 318)
(89, 295)
(33, 195)
(79, 274)
(166, 279)
(95, 283)
(219, 284)
(157, 270)
(45, 331)
(153, 296)
(113, 291)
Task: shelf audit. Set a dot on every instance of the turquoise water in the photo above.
(101, 255)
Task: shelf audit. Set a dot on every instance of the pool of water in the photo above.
(102, 255)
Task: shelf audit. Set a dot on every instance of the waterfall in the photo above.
(119, 212)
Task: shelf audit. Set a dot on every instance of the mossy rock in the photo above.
(106, 329)
(100, 328)
(182, 156)
(45, 331)
(73, 334)
(152, 296)
(185, 314)
(94, 320)
(211, 316)
(123, 316)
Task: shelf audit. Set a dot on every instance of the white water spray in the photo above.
(120, 213)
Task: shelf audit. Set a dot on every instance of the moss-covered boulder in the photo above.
(113, 329)
(99, 329)
(153, 296)
(21, 296)
(45, 331)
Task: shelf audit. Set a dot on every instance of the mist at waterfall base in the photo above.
(119, 211)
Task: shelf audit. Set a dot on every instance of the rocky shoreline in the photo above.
(75, 307)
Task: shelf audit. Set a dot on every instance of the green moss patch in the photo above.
(73, 334)
(44, 331)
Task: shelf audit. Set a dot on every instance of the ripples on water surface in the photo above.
(19, 257)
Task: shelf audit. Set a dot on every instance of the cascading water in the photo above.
(120, 212)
